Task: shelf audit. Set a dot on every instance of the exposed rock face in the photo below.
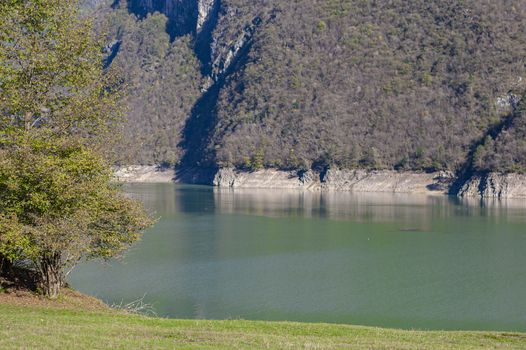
(386, 181)
(225, 49)
(185, 16)
(268, 178)
(144, 174)
(508, 103)
(337, 180)
(204, 11)
(225, 178)
(182, 14)
(494, 185)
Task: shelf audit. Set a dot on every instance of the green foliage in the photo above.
(416, 81)
(507, 151)
(330, 79)
(50, 70)
(253, 163)
(371, 159)
(163, 83)
(57, 108)
(57, 197)
(258, 160)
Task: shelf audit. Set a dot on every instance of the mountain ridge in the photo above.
(327, 84)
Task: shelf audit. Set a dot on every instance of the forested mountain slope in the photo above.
(387, 84)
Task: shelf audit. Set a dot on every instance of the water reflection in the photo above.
(375, 259)
(413, 212)
(365, 207)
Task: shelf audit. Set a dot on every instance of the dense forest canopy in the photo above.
(422, 85)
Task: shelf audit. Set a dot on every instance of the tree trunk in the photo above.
(5, 266)
(51, 275)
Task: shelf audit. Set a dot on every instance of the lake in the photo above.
(404, 261)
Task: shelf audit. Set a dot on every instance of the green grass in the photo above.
(36, 327)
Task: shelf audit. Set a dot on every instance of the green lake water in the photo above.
(403, 261)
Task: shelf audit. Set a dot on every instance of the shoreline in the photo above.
(492, 185)
(66, 325)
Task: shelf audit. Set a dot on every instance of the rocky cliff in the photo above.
(144, 174)
(195, 17)
(386, 181)
(337, 180)
(185, 16)
(267, 178)
(495, 185)
(319, 85)
(492, 185)
(205, 9)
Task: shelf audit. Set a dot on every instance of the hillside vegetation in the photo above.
(389, 84)
(163, 81)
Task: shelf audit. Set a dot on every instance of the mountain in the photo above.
(386, 84)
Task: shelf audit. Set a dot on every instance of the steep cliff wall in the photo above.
(495, 185)
(217, 50)
(182, 14)
(185, 16)
(205, 10)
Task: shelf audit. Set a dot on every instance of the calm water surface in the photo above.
(402, 261)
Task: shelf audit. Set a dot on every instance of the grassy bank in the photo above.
(77, 323)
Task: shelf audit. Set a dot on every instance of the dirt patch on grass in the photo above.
(69, 299)
(506, 336)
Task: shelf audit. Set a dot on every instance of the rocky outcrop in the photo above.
(507, 104)
(223, 55)
(144, 174)
(386, 181)
(267, 178)
(182, 14)
(337, 180)
(205, 9)
(495, 185)
(492, 185)
(185, 16)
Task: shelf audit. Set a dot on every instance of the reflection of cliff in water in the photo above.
(362, 207)
(412, 211)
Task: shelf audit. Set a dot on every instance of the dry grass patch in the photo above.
(69, 299)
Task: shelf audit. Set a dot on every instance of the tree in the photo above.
(51, 73)
(58, 203)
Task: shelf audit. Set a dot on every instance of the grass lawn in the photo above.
(77, 322)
